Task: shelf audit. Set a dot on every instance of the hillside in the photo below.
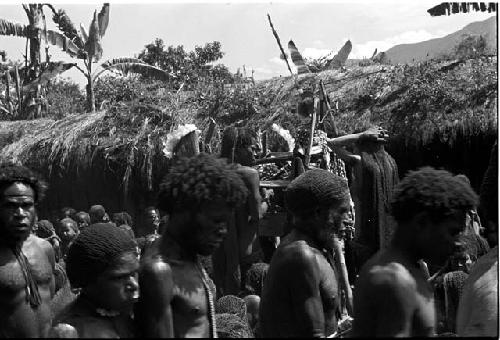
(433, 48)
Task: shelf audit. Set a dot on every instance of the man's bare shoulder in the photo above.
(247, 172)
(156, 265)
(388, 275)
(298, 252)
(43, 245)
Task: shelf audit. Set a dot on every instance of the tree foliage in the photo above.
(185, 67)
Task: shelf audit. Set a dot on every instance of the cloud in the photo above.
(314, 53)
(410, 37)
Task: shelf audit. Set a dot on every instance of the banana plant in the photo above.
(30, 97)
(89, 49)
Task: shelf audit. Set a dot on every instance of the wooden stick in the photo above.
(328, 107)
(311, 136)
(18, 91)
(279, 44)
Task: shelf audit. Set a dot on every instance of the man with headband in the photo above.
(301, 297)
(26, 261)
(103, 262)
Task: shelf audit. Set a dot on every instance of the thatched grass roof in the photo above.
(414, 102)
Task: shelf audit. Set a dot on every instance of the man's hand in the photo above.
(375, 134)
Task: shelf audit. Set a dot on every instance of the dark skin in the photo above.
(393, 297)
(301, 296)
(115, 291)
(17, 215)
(232, 260)
(173, 300)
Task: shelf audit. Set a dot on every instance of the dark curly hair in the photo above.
(11, 173)
(202, 178)
(234, 138)
(437, 192)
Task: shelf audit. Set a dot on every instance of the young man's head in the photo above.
(319, 202)
(20, 190)
(67, 212)
(67, 230)
(429, 206)
(97, 214)
(104, 263)
(152, 219)
(199, 194)
(82, 218)
(239, 145)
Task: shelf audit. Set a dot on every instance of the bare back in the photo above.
(17, 317)
(392, 298)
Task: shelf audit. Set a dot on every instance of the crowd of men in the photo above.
(191, 273)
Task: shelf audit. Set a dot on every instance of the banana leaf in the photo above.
(103, 19)
(83, 32)
(93, 44)
(112, 62)
(57, 39)
(50, 70)
(15, 29)
(297, 59)
(340, 58)
(67, 27)
(137, 68)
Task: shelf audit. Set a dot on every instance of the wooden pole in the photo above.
(328, 107)
(18, 91)
(7, 92)
(312, 129)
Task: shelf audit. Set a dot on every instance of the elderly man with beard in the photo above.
(199, 194)
(26, 261)
(393, 296)
(301, 296)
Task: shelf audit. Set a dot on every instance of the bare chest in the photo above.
(328, 285)
(190, 299)
(12, 279)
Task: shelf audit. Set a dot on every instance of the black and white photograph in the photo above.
(249, 169)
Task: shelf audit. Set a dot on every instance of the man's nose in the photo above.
(458, 247)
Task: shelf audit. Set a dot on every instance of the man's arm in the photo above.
(251, 178)
(304, 278)
(388, 301)
(154, 310)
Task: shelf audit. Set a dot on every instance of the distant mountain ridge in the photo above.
(407, 53)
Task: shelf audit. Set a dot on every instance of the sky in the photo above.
(243, 30)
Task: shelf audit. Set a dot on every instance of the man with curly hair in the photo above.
(301, 296)
(199, 194)
(27, 262)
(393, 296)
(232, 260)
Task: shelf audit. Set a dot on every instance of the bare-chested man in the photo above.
(199, 194)
(233, 259)
(26, 261)
(393, 296)
(301, 297)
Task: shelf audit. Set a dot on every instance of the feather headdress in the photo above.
(172, 138)
(286, 135)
